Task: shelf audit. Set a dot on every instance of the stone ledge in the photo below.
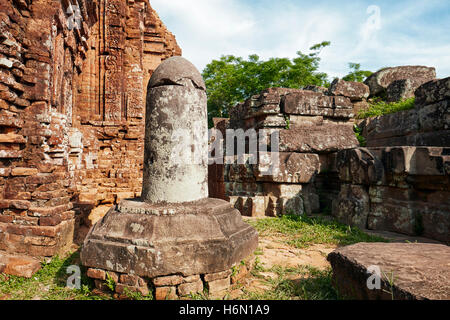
(420, 271)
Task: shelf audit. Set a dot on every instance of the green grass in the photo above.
(358, 133)
(49, 283)
(379, 108)
(309, 283)
(303, 231)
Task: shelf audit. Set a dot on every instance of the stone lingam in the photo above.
(174, 238)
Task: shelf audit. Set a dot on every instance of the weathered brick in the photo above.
(24, 171)
(166, 293)
(168, 281)
(218, 286)
(216, 276)
(96, 274)
(190, 288)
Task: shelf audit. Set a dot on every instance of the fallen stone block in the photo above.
(356, 91)
(401, 90)
(432, 92)
(392, 271)
(379, 81)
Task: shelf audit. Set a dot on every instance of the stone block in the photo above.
(435, 117)
(296, 121)
(356, 91)
(24, 171)
(400, 90)
(168, 281)
(186, 289)
(217, 276)
(97, 214)
(380, 80)
(218, 286)
(352, 206)
(96, 274)
(293, 205)
(20, 266)
(282, 190)
(166, 293)
(293, 168)
(432, 92)
(307, 103)
(324, 139)
(420, 271)
(181, 228)
(379, 130)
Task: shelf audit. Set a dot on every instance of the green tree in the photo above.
(356, 74)
(231, 79)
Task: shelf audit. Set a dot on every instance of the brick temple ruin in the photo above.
(72, 128)
(71, 114)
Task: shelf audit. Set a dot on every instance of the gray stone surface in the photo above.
(399, 189)
(174, 228)
(176, 138)
(356, 91)
(202, 237)
(423, 126)
(400, 90)
(380, 80)
(320, 139)
(310, 103)
(419, 271)
(432, 92)
(176, 71)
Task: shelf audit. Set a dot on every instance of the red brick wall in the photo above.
(71, 113)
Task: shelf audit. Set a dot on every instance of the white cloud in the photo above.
(207, 29)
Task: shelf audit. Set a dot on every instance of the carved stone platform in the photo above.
(149, 240)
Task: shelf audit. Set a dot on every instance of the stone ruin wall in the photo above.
(72, 106)
(313, 125)
(399, 182)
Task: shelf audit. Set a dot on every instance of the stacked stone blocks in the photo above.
(312, 125)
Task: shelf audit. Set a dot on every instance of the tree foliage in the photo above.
(356, 74)
(231, 79)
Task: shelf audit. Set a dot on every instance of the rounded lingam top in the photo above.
(173, 71)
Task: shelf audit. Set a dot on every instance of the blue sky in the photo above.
(377, 33)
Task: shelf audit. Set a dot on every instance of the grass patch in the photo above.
(301, 283)
(358, 133)
(379, 107)
(49, 283)
(303, 231)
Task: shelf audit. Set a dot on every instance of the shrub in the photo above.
(379, 107)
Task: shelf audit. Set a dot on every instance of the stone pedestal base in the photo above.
(189, 241)
(174, 287)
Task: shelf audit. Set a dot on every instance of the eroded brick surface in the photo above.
(72, 104)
